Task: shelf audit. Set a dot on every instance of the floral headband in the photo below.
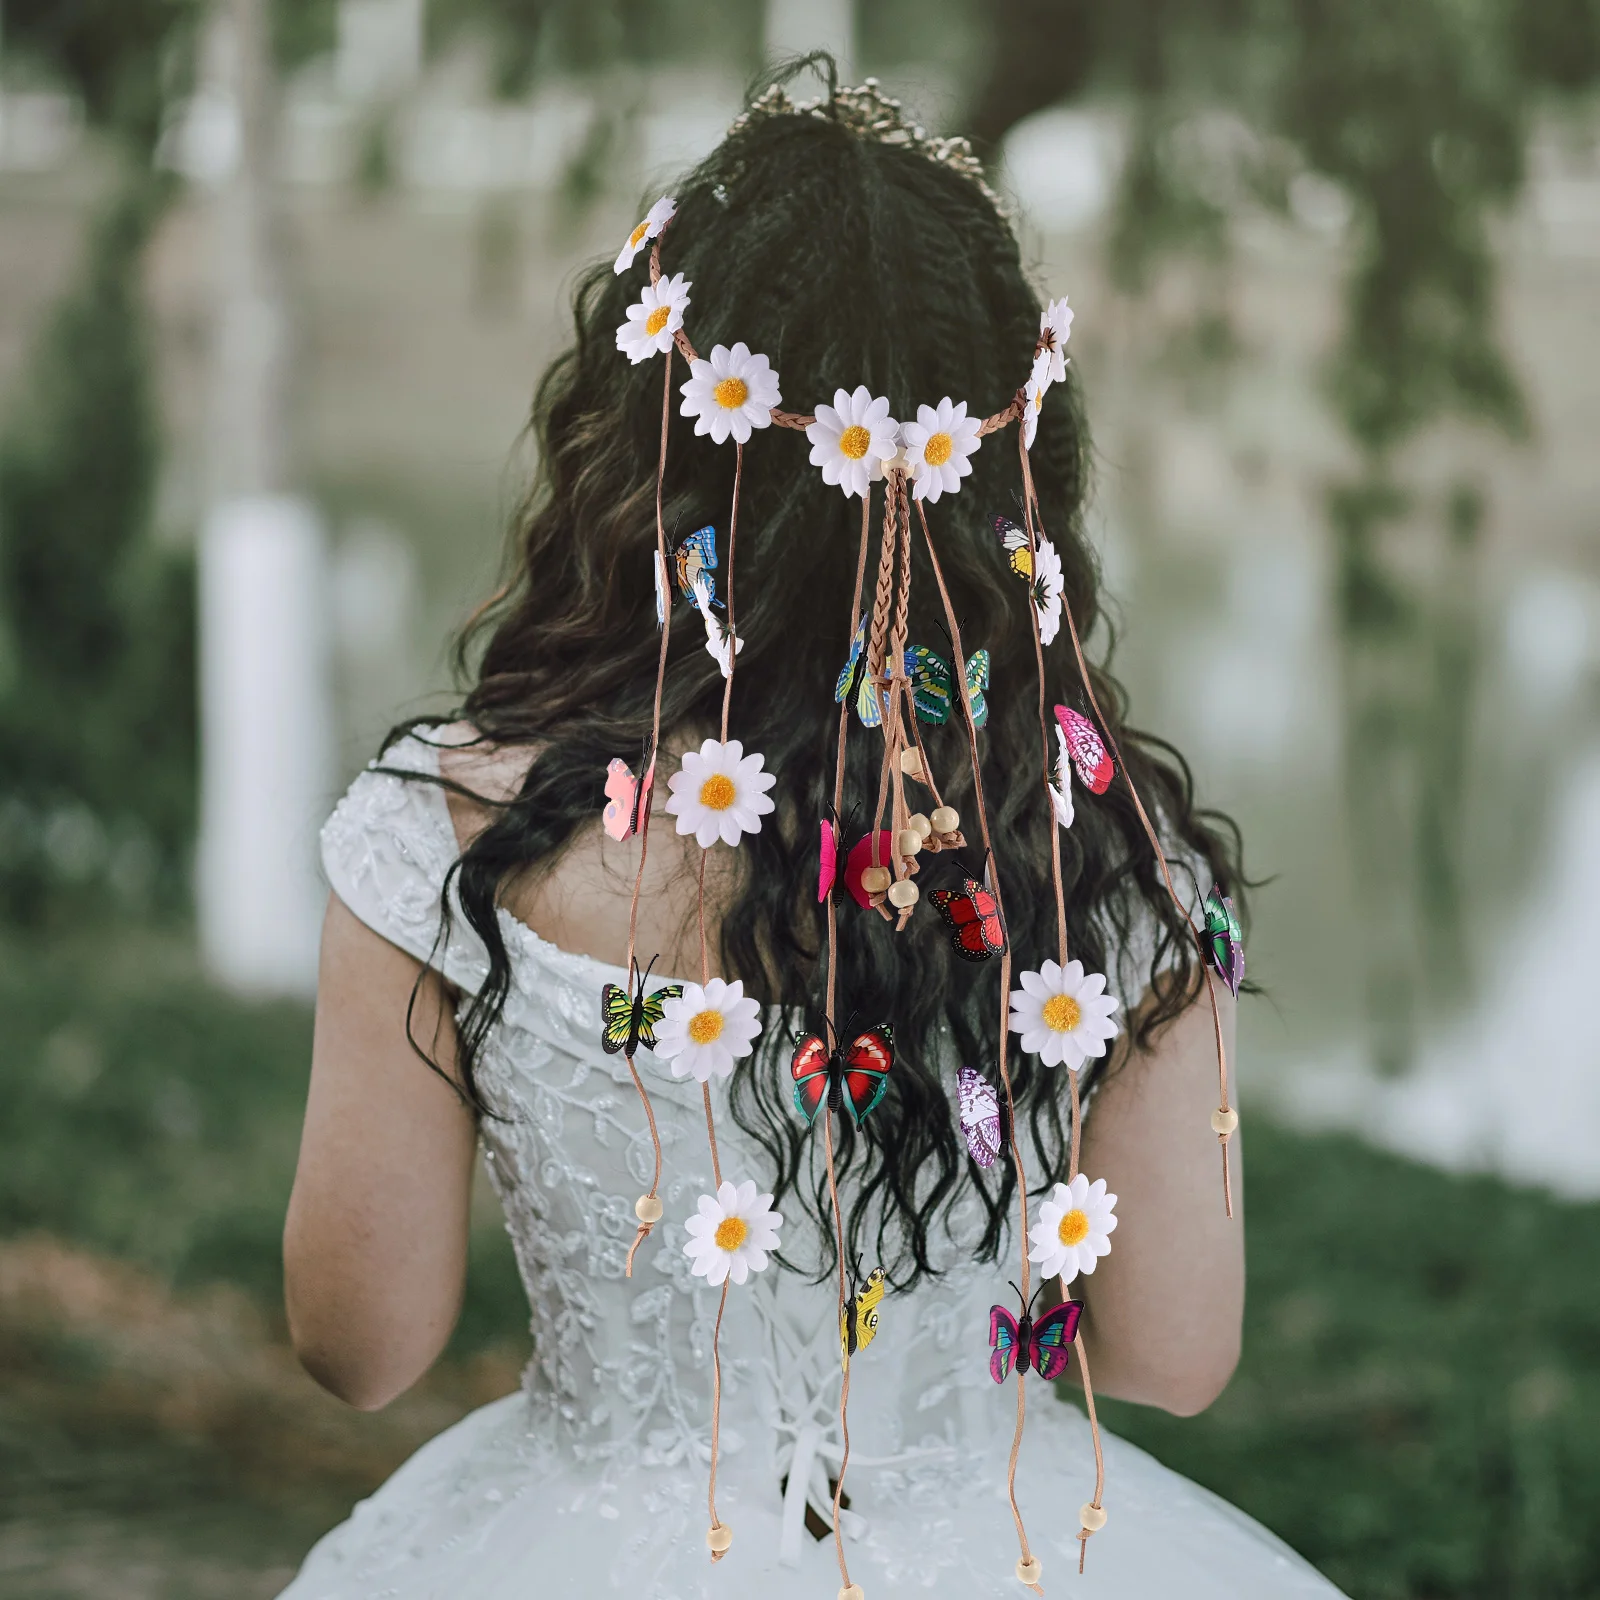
(891, 686)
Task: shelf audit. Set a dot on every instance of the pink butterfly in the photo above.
(1088, 750)
(828, 867)
(1042, 1345)
(626, 799)
(980, 1115)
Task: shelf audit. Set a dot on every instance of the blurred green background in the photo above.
(1337, 276)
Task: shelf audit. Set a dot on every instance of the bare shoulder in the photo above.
(488, 775)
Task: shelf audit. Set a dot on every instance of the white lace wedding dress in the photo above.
(592, 1480)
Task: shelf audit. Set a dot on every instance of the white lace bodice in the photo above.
(621, 1366)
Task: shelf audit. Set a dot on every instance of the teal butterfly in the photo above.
(855, 686)
(933, 684)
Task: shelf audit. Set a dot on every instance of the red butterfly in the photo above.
(852, 1078)
(974, 917)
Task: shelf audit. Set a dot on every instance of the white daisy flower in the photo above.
(703, 1031)
(721, 644)
(1033, 398)
(1055, 327)
(731, 393)
(653, 319)
(1061, 789)
(1046, 588)
(1063, 1014)
(720, 793)
(731, 1233)
(852, 438)
(1074, 1228)
(655, 219)
(938, 445)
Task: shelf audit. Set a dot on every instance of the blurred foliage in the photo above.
(97, 700)
(1419, 1413)
(1414, 120)
(153, 1117)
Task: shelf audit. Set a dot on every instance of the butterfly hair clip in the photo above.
(1041, 1345)
(1223, 939)
(627, 799)
(628, 1021)
(1089, 753)
(858, 1322)
(697, 554)
(1014, 540)
(980, 1116)
(973, 916)
(851, 1077)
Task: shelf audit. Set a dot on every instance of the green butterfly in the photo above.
(1222, 939)
(933, 684)
(628, 1021)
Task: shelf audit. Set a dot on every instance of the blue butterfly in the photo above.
(697, 554)
(933, 684)
(855, 684)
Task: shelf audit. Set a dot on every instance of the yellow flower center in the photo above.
(717, 792)
(731, 1233)
(637, 234)
(937, 450)
(1074, 1227)
(853, 442)
(704, 1026)
(732, 393)
(657, 320)
(1061, 1013)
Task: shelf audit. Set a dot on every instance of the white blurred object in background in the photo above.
(795, 27)
(1061, 166)
(379, 51)
(266, 743)
(265, 717)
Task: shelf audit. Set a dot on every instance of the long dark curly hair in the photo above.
(847, 260)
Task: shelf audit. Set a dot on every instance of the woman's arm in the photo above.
(375, 1245)
(1164, 1308)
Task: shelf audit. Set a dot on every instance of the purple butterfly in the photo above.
(980, 1115)
(1041, 1345)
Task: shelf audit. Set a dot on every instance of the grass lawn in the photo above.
(1418, 1409)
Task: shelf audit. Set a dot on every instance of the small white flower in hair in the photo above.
(939, 446)
(1063, 1014)
(731, 1234)
(1055, 328)
(720, 793)
(656, 218)
(653, 319)
(1047, 587)
(852, 439)
(731, 394)
(704, 1030)
(1074, 1229)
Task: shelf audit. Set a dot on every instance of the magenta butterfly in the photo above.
(1089, 754)
(1041, 1345)
(828, 859)
(980, 1115)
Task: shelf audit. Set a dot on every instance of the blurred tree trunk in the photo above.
(265, 713)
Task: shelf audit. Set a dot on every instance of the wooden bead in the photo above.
(647, 1208)
(875, 879)
(904, 893)
(1028, 1571)
(920, 823)
(719, 1537)
(1224, 1122)
(851, 1591)
(945, 819)
(911, 764)
(1091, 1516)
(907, 842)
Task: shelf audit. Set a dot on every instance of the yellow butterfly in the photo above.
(1015, 541)
(858, 1323)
